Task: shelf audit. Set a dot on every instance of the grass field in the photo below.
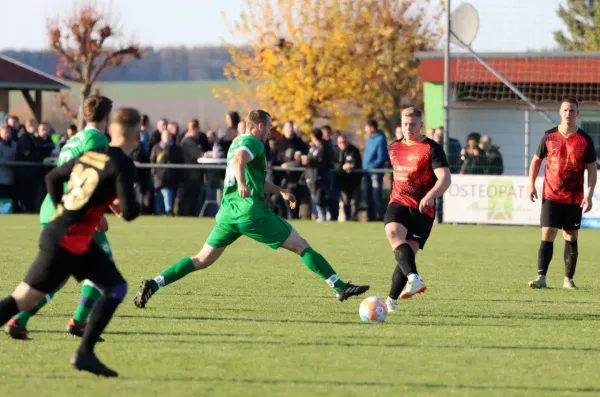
(259, 323)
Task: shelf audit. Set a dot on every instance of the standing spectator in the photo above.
(375, 157)
(473, 158)
(431, 133)
(333, 193)
(493, 157)
(46, 149)
(191, 189)
(290, 182)
(15, 127)
(173, 128)
(161, 125)
(233, 120)
(292, 140)
(70, 133)
(318, 165)
(454, 149)
(145, 135)
(27, 178)
(166, 180)
(349, 182)
(241, 128)
(32, 127)
(8, 152)
(398, 133)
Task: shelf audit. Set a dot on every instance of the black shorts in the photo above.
(561, 216)
(418, 225)
(54, 265)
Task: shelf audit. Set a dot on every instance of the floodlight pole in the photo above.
(447, 81)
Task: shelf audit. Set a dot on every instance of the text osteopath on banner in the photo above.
(484, 199)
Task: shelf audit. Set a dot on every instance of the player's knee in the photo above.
(549, 233)
(26, 297)
(118, 292)
(202, 261)
(570, 235)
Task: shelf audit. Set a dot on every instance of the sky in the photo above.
(507, 25)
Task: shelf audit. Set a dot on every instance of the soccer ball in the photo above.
(373, 309)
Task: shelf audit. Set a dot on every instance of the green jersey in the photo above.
(87, 139)
(235, 209)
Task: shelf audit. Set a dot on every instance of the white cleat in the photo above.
(392, 305)
(412, 288)
(569, 284)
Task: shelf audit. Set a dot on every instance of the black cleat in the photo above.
(77, 329)
(90, 363)
(144, 294)
(351, 290)
(15, 331)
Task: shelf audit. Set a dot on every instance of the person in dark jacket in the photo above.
(166, 180)
(8, 152)
(291, 140)
(334, 189)
(27, 179)
(348, 160)
(318, 166)
(473, 158)
(493, 157)
(193, 179)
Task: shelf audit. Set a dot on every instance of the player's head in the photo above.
(125, 129)
(96, 110)
(412, 123)
(569, 110)
(259, 124)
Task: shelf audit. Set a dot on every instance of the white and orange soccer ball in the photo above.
(373, 310)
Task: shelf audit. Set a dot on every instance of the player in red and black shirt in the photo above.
(95, 181)
(421, 175)
(568, 152)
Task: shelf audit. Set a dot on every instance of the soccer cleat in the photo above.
(392, 305)
(15, 331)
(538, 283)
(90, 363)
(569, 284)
(351, 290)
(77, 329)
(412, 288)
(144, 294)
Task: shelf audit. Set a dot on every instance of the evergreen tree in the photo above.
(582, 22)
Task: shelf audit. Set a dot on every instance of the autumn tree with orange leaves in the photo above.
(86, 42)
(329, 59)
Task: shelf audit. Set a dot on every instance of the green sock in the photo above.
(182, 268)
(23, 317)
(319, 265)
(89, 295)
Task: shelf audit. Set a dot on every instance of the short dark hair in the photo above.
(570, 100)
(317, 133)
(256, 117)
(96, 108)
(327, 128)
(373, 123)
(72, 127)
(194, 123)
(145, 119)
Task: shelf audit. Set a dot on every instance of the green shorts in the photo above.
(100, 240)
(270, 230)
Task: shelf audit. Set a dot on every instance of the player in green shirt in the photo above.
(244, 211)
(96, 112)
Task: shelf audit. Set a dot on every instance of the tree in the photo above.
(389, 34)
(85, 43)
(332, 59)
(582, 20)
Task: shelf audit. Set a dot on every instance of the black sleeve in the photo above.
(130, 209)
(56, 179)
(542, 150)
(589, 156)
(438, 157)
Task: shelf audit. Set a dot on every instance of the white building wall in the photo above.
(506, 127)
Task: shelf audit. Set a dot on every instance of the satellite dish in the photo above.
(464, 24)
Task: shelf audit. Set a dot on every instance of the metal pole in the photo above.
(526, 159)
(447, 81)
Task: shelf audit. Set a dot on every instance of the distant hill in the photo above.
(158, 65)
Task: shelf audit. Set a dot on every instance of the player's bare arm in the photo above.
(56, 179)
(586, 204)
(238, 166)
(271, 188)
(444, 180)
(129, 208)
(534, 171)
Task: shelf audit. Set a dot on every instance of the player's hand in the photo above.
(103, 225)
(586, 204)
(289, 197)
(347, 167)
(243, 190)
(115, 207)
(426, 204)
(533, 193)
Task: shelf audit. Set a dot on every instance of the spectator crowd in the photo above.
(321, 172)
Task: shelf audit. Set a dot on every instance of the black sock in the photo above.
(399, 281)
(544, 257)
(571, 254)
(405, 258)
(8, 308)
(99, 319)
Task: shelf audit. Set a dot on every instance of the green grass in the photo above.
(259, 323)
